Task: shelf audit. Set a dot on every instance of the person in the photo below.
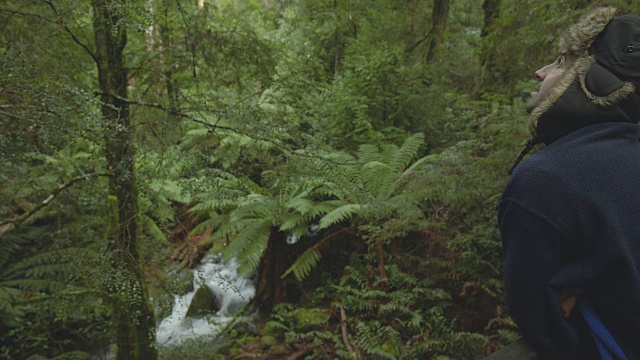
(570, 215)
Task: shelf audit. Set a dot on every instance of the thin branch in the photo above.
(215, 126)
(178, 113)
(57, 22)
(15, 12)
(99, 293)
(345, 334)
(75, 39)
(16, 221)
(414, 46)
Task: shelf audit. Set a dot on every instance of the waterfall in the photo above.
(232, 293)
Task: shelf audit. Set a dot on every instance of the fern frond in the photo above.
(300, 204)
(377, 178)
(292, 222)
(407, 205)
(323, 207)
(8, 297)
(368, 153)
(234, 227)
(249, 244)
(73, 355)
(213, 205)
(340, 214)
(153, 230)
(407, 152)
(52, 262)
(256, 205)
(36, 285)
(212, 223)
(303, 265)
(10, 244)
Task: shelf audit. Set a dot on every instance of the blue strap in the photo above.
(608, 347)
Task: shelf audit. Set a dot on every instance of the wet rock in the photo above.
(182, 281)
(235, 305)
(204, 303)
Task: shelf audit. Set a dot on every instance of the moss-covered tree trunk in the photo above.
(439, 17)
(133, 317)
(489, 75)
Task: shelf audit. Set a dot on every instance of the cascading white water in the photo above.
(232, 291)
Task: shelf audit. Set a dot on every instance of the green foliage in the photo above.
(202, 349)
(316, 119)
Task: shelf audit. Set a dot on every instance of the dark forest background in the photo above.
(136, 136)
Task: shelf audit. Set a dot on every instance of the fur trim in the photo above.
(611, 99)
(580, 66)
(579, 37)
(577, 40)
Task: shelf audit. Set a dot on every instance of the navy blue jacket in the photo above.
(570, 218)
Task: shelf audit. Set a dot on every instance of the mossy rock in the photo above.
(204, 303)
(181, 281)
(268, 340)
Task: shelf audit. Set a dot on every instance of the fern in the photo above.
(401, 158)
(377, 178)
(249, 243)
(214, 222)
(153, 230)
(303, 265)
(213, 205)
(322, 208)
(294, 223)
(340, 214)
(369, 153)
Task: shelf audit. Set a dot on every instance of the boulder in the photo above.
(204, 303)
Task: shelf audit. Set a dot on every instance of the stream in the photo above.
(232, 292)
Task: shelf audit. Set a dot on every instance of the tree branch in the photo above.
(178, 113)
(425, 38)
(75, 39)
(16, 12)
(211, 126)
(58, 21)
(99, 293)
(16, 221)
(345, 334)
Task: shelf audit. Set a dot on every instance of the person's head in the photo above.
(594, 79)
(548, 76)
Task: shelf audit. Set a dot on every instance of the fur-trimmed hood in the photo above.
(594, 72)
(600, 85)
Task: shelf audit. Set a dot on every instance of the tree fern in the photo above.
(294, 223)
(213, 204)
(214, 222)
(340, 214)
(310, 258)
(377, 178)
(403, 156)
(249, 243)
(322, 207)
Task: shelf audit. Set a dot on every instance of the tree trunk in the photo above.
(133, 317)
(439, 18)
(382, 271)
(277, 258)
(167, 57)
(491, 13)
(336, 42)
